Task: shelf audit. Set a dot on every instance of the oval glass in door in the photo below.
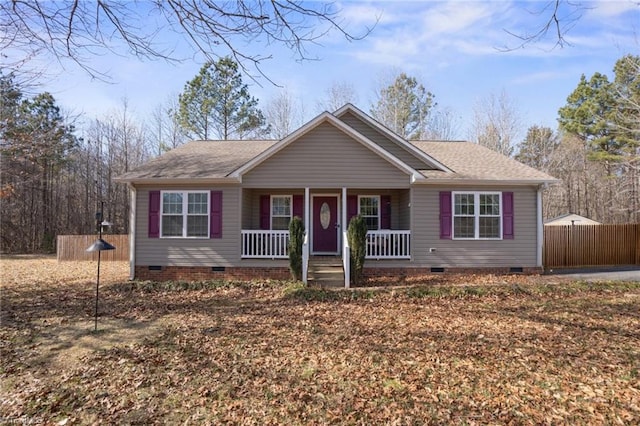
(325, 215)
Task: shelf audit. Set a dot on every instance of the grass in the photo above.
(479, 350)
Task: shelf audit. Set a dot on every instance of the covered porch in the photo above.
(325, 212)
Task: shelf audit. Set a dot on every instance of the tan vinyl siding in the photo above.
(223, 251)
(384, 141)
(326, 157)
(247, 210)
(425, 234)
(404, 210)
(521, 251)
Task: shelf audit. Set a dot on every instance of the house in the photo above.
(570, 219)
(220, 209)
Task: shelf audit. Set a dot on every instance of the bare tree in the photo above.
(118, 142)
(336, 96)
(78, 30)
(443, 125)
(283, 114)
(164, 126)
(496, 123)
(626, 126)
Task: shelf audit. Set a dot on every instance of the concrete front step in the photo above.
(326, 282)
(326, 271)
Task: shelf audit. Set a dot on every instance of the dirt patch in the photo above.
(63, 346)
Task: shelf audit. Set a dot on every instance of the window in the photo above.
(477, 215)
(280, 212)
(185, 214)
(369, 209)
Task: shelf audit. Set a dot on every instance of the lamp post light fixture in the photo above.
(99, 245)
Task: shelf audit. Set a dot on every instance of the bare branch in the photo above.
(72, 30)
(560, 17)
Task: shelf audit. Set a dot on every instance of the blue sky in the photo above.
(452, 47)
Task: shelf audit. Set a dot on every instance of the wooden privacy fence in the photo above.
(591, 245)
(73, 247)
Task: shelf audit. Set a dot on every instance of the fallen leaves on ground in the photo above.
(501, 350)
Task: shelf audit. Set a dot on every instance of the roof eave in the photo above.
(177, 181)
(493, 182)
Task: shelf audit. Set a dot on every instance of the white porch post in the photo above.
(345, 249)
(540, 227)
(305, 245)
(343, 218)
(307, 210)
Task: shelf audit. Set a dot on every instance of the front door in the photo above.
(325, 224)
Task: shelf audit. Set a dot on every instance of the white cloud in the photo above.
(454, 17)
(608, 8)
(360, 14)
(538, 77)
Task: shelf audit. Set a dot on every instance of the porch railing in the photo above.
(386, 244)
(265, 244)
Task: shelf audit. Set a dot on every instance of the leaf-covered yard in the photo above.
(470, 350)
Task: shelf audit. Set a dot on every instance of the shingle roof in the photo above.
(218, 159)
(470, 161)
(199, 160)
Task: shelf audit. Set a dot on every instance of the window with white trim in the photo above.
(185, 214)
(369, 209)
(281, 209)
(477, 215)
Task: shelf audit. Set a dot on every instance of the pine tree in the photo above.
(217, 104)
(405, 107)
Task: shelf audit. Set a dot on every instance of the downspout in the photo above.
(132, 231)
(540, 227)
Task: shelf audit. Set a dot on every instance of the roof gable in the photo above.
(326, 157)
(571, 219)
(328, 118)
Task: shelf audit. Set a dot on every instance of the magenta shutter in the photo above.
(298, 206)
(445, 215)
(265, 213)
(507, 215)
(215, 218)
(352, 207)
(154, 214)
(385, 212)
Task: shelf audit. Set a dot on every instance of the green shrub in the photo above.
(296, 238)
(357, 237)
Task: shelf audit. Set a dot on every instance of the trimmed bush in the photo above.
(357, 237)
(296, 238)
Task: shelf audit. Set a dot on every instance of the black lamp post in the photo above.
(99, 246)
